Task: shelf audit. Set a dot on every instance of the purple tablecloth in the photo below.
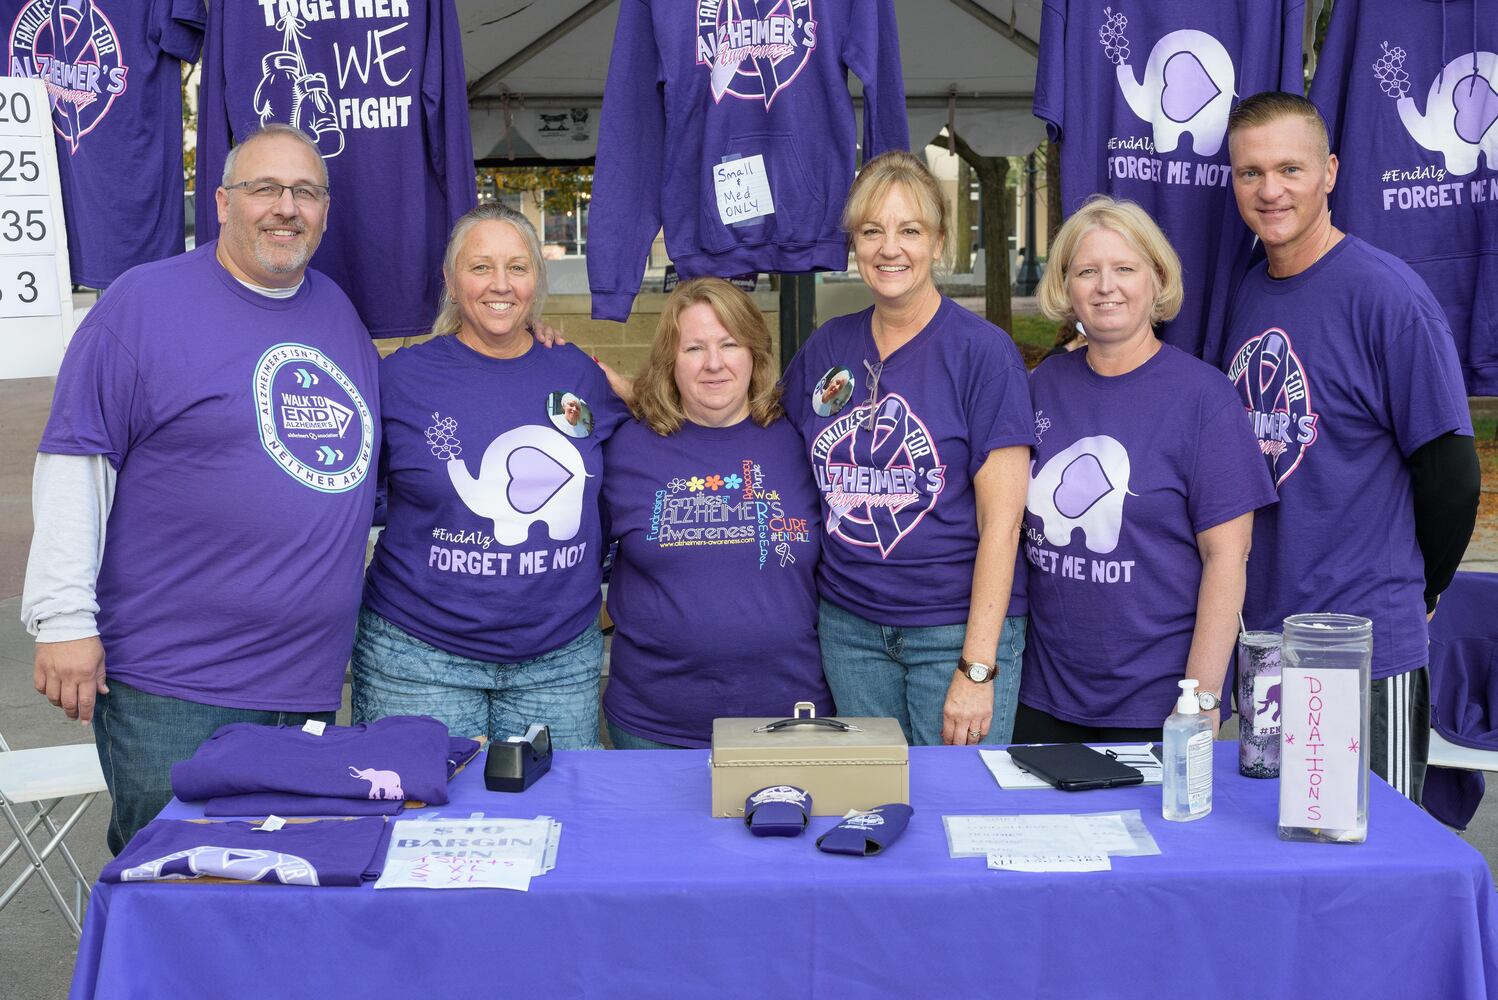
(651, 898)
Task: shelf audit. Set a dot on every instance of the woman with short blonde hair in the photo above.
(1142, 491)
(713, 593)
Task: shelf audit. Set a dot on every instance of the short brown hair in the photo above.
(657, 400)
(910, 172)
(1140, 231)
(1272, 105)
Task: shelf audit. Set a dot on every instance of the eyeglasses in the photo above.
(269, 191)
(875, 370)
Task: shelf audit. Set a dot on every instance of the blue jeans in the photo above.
(396, 673)
(623, 739)
(140, 736)
(902, 672)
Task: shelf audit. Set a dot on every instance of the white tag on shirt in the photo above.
(271, 824)
(743, 189)
(314, 727)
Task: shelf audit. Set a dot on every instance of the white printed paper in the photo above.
(980, 836)
(1106, 832)
(474, 853)
(1054, 862)
(1320, 754)
(743, 189)
(440, 871)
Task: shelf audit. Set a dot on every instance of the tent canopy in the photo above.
(536, 70)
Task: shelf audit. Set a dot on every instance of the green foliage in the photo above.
(555, 189)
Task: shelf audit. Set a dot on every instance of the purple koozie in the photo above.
(777, 811)
(1259, 704)
(394, 759)
(325, 852)
(866, 834)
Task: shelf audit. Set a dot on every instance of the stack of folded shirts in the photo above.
(371, 769)
(317, 852)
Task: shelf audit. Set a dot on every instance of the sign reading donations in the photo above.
(36, 305)
(1320, 753)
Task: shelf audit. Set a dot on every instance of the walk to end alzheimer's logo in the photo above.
(313, 421)
(1273, 384)
(73, 48)
(754, 48)
(878, 477)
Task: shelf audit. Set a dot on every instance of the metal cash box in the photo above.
(844, 763)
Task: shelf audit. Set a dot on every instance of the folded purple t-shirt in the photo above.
(323, 852)
(402, 757)
(459, 753)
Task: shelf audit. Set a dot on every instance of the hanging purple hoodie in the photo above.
(1409, 90)
(1138, 95)
(326, 852)
(113, 71)
(754, 97)
(380, 87)
(394, 759)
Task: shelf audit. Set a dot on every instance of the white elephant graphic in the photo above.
(528, 474)
(1084, 487)
(1460, 109)
(1187, 86)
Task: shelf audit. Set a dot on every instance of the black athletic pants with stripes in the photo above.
(1400, 731)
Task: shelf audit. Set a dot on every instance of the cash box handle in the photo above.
(810, 719)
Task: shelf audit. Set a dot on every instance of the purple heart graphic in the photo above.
(1188, 87)
(1476, 108)
(535, 477)
(1083, 483)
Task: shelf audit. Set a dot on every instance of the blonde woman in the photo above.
(481, 604)
(920, 459)
(713, 592)
(1142, 492)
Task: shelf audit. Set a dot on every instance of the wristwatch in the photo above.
(1207, 700)
(978, 673)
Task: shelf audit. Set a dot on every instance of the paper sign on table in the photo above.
(473, 852)
(742, 189)
(441, 871)
(1053, 862)
(1320, 774)
(980, 836)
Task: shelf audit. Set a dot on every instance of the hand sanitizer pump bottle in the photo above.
(1188, 759)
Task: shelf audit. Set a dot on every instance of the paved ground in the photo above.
(36, 949)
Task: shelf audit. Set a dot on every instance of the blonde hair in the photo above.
(1132, 223)
(657, 400)
(908, 171)
(448, 316)
(1275, 105)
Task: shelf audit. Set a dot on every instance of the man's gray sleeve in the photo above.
(70, 500)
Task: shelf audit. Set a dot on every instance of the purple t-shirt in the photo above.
(1128, 471)
(1407, 90)
(244, 430)
(1346, 369)
(113, 71)
(322, 852)
(380, 87)
(1138, 94)
(898, 508)
(492, 546)
(393, 759)
(713, 593)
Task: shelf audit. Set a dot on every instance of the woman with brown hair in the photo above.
(713, 592)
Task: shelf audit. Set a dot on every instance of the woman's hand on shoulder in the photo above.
(623, 388)
(546, 335)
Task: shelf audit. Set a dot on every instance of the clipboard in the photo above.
(1074, 767)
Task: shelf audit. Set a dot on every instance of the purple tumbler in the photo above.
(1259, 704)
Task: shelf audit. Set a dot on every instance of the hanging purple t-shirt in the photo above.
(1128, 471)
(1346, 368)
(898, 507)
(492, 546)
(394, 759)
(113, 71)
(322, 852)
(1409, 90)
(380, 87)
(244, 430)
(1138, 93)
(713, 593)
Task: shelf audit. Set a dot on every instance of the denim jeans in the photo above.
(396, 673)
(140, 736)
(902, 672)
(623, 739)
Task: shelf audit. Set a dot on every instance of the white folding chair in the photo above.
(43, 779)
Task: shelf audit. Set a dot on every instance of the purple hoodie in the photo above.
(761, 130)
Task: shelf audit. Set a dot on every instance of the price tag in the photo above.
(21, 167)
(28, 287)
(26, 225)
(314, 727)
(22, 114)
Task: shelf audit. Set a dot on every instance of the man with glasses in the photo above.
(204, 488)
